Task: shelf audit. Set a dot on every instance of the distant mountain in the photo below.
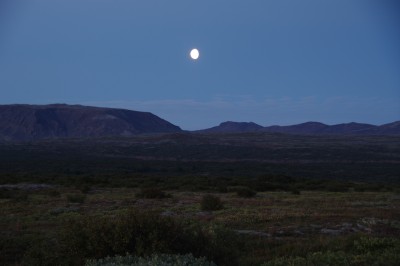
(33, 122)
(231, 127)
(391, 128)
(316, 128)
(309, 128)
(304, 128)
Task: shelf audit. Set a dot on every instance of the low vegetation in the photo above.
(227, 199)
(274, 228)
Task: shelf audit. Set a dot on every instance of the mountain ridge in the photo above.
(23, 122)
(311, 128)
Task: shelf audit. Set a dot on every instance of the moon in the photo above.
(194, 54)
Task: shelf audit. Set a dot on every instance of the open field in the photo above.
(285, 200)
(246, 155)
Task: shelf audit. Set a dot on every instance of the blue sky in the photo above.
(270, 62)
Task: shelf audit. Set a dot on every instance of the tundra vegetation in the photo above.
(231, 199)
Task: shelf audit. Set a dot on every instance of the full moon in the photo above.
(194, 54)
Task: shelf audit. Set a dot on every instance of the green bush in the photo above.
(151, 193)
(210, 203)
(153, 260)
(144, 233)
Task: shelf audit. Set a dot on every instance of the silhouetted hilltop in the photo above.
(309, 128)
(230, 127)
(33, 122)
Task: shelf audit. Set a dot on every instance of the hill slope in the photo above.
(33, 122)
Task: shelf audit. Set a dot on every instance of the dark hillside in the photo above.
(34, 122)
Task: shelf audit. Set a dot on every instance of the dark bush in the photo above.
(211, 203)
(142, 234)
(151, 193)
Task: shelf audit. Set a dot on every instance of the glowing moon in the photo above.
(194, 54)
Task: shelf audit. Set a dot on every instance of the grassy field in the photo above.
(269, 225)
(235, 199)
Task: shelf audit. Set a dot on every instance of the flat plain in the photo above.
(307, 200)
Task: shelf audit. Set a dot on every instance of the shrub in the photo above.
(76, 198)
(153, 260)
(211, 203)
(151, 193)
(144, 233)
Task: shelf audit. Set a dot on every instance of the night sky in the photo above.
(270, 62)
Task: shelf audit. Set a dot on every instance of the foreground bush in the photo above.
(211, 203)
(142, 234)
(153, 260)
